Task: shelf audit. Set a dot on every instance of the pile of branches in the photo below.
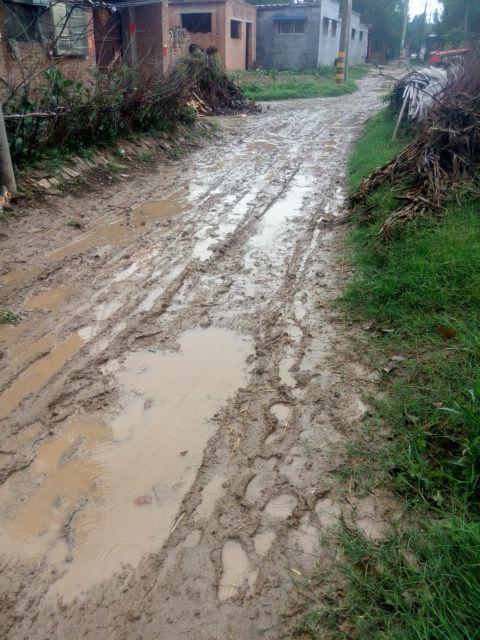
(205, 84)
(64, 113)
(444, 153)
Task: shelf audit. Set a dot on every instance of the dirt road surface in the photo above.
(176, 398)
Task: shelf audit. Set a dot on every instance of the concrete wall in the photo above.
(288, 51)
(359, 44)
(30, 59)
(329, 42)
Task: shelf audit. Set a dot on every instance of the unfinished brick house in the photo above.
(227, 25)
(36, 35)
(138, 35)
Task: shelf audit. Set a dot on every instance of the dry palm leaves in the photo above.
(445, 151)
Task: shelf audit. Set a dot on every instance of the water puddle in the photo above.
(112, 234)
(31, 347)
(49, 300)
(235, 570)
(154, 210)
(38, 374)
(210, 494)
(281, 507)
(263, 541)
(18, 276)
(275, 219)
(9, 333)
(117, 487)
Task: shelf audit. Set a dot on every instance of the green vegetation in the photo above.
(287, 85)
(421, 296)
(8, 317)
(73, 222)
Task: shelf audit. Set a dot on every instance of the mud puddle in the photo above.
(48, 300)
(107, 492)
(39, 373)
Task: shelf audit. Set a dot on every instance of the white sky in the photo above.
(418, 6)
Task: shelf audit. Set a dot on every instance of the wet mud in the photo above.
(176, 397)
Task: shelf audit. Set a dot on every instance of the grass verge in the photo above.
(420, 294)
(264, 85)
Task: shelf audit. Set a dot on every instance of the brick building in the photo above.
(35, 37)
(40, 34)
(138, 35)
(227, 25)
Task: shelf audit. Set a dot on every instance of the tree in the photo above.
(460, 23)
(385, 20)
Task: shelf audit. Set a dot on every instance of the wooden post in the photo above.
(7, 177)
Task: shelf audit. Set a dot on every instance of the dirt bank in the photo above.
(175, 398)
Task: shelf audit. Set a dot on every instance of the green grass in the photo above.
(287, 85)
(423, 288)
(374, 148)
(8, 317)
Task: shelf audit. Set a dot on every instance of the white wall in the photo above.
(328, 43)
(359, 45)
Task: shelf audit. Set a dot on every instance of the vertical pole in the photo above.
(403, 51)
(465, 27)
(422, 30)
(342, 59)
(7, 177)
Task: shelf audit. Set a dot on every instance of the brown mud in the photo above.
(176, 397)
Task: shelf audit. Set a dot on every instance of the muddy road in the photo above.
(176, 398)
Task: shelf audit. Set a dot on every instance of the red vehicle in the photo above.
(445, 58)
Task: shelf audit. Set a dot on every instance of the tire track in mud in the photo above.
(247, 528)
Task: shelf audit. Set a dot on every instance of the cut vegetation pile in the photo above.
(445, 152)
(63, 113)
(206, 86)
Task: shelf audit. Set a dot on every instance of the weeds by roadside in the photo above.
(8, 317)
(419, 300)
(65, 117)
(287, 85)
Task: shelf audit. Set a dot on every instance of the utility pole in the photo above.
(403, 51)
(422, 32)
(465, 28)
(7, 177)
(342, 59)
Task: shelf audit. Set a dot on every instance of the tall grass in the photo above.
(422, 290)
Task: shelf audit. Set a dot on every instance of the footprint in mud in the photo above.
(235, 570)
(281, 412)
(281, 507)
(328, 512)
(263, 541)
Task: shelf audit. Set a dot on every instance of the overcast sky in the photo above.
(418, 6)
